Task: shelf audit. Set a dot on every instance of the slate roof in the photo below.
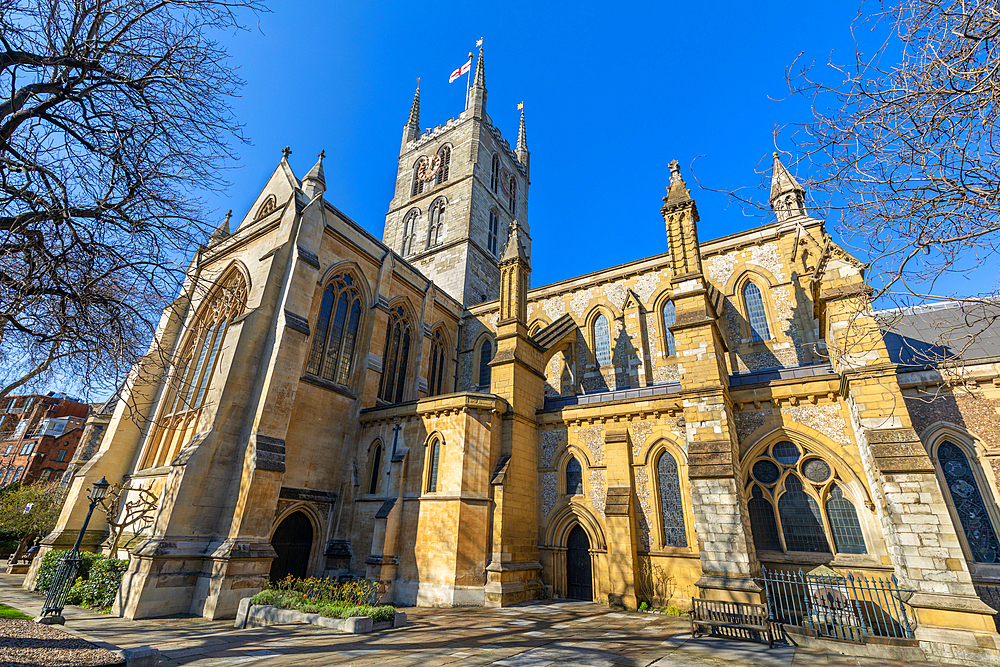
(941, 332)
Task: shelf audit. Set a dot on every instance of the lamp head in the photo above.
(99, 490)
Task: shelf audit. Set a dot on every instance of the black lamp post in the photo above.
(70, 564)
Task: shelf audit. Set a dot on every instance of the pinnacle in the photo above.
(515, 247)
(480, 81)
(677, 192)
(782, 180)
(415, 109)
(522, 137)
(222, 231)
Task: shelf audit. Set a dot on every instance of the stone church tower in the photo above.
(458, 188)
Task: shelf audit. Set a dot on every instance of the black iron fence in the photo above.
(834, 605)
(990, 594)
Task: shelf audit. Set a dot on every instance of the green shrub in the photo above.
(97, 581)
(673, 611)
(50, 564)
(326, 597)
(266, 596)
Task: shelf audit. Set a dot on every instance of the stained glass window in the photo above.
(816, 470)
(485, 356)
(574, 478)
(801, 521)
(432, 478)
(762, 523)
(671, 506)
(395, 357)
(969, 505)
(844, 522)
(756, 313)
(602, 341)
(766, 472)
(332, 352)
(669, 317)
(785, 453)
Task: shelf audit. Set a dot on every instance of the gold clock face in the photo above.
(428, 167)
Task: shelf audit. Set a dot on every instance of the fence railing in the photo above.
(990, 594)
(841, 606)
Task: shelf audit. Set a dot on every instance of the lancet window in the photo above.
(669, 318)
(495, 174)
(409, 232)
(437, 211)
(445, 169)
(512, 194)
(493, 235)
(438, 352)
(375, 470)
(418, 185)
(813, 513)
(336, 332)
(396, 356)
(182, 402)
(485, 357)
(756, 314)
(574, 478)
(671, 505)
(433, 461)
(967, 499)
(602, 340)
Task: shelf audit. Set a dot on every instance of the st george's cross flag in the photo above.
(460, 71)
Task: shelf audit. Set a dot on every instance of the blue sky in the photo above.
(612, 93)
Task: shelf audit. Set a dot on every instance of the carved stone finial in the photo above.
(675, 170)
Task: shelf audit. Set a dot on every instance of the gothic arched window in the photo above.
(438, 351)
(180, 406)
(409, 232)
(495, 174)
(332, 353)
(669, 318)
(485, 357)
(376, 469)
(436, 222)
(813, 513)
(445, 169)
(756, 314)
(418, 185)
(397, 353)
(432, 473)
(671, 506)
(493, 235)
(574, 478)
(968, 502)
(602, 340)
(512, 193)
(266, 207)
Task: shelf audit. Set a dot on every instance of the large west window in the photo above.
(336, 333)
(796, 502)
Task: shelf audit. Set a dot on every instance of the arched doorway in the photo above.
(579, 580)
(292, 540)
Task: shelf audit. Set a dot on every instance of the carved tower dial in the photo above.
(428, 167)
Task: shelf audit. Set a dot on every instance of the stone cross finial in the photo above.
(285, 152)
(322, 154)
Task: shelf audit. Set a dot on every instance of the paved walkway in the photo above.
(534, 635)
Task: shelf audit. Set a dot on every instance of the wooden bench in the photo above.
(734, 615)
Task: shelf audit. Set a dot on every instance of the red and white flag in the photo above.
(464, 69)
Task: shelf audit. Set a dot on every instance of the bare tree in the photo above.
(113, 116)
(126, 506)
(903, 145)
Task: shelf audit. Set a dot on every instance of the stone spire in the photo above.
(522, 152)
(788, 198)
(314, 184)
(477, 93)
(681, 217)
(221, 232)
(411, 131)
(514, 271)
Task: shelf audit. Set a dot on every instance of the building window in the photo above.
(10, 448)
(493, 236)
(813, 514)
(181, 404)
(671, 507)
(669, 318)
(332, 353)
(756, 314)
(26, 449)
(445, 169)
(409, 232)
(45, 475)
(495, 174)
(376, 469)
(969, 504)
(432, 474)
(437, 211)
(61, 456)
(267, 207)
(3, 478)
(602, 340)
(485, 357)
(512, 193)
(17, 475)
(418, 185)
(438, 351)
(57, 475)
(395, 356)
(574, 478)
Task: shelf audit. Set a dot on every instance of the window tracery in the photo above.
(813, 514)
(336, 332)
(181, 404)
(445, 169)
(266, 207)
(418, 184)
(967, 499)
(409, 232)
(437, 212)
(396, 356)
(438, 351)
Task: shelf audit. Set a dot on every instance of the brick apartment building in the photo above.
(38, 436)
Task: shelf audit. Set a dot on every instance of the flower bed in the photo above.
(326, 597)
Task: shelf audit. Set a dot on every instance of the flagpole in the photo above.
(468, 81)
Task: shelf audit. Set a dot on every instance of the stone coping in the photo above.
(255, 616)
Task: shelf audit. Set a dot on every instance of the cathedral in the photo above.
(321, 402)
